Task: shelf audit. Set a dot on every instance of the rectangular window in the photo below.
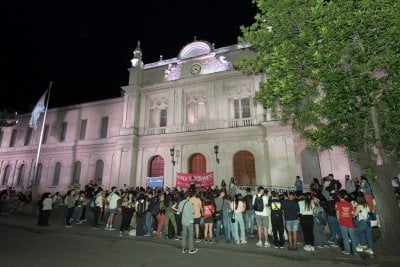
(64, 127)
(45, 133)
(104, 127)
(236, 109)
(163, 117)
(13, 137)
(82, 130)
(245, 104)
(28, 136)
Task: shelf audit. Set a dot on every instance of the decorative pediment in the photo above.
(236, 92)
(158, 102)
(196, 97)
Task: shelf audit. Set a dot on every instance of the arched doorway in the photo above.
(98, 174)
(244, 168)
(6, 175)
(156, 166)
(310, 166)
(197, 163)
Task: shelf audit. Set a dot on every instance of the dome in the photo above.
(196, 48)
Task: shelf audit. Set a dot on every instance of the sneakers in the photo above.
(176, 238)
(334, 245)
(184, 251)
(78, 222)
(307, 248)
(197, 241)
(369, 251)
(238, 242)
(345, 252)
(281, 247)
(192, 251)
(68, 226)
(244, 242)
(111, 228)
(259, 244)
(359, 249)
(267, 245)
(210, 241)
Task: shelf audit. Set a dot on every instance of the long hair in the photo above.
(307, 201)
(361, 201)
(236, 201)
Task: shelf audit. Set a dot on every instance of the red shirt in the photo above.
(345, 210)
(208, 211)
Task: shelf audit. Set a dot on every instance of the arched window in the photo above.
(6, 175)
(244, 168)
(77, 173)
(20, 175)
(197, 163)
(156, 166)
(38, 174)
(98, 175)
(56, 176)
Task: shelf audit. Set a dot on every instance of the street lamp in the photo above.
(172, 153)
(216, 150)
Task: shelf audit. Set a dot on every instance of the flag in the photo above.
(39, 108)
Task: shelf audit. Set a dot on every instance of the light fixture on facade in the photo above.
(216, 150)
(172, 153)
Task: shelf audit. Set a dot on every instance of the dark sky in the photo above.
(85, 46)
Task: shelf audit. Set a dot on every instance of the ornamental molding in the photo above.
(158, 102)
(196, 97)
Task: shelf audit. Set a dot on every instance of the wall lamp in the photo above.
(216, 150)
(172, 153)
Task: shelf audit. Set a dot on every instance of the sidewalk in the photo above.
(28, 222)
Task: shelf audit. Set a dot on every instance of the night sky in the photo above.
(85, 46)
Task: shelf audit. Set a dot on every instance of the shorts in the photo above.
(262, 221)
(209, 220)
(112, 211)
(292, 226)
(197, 220)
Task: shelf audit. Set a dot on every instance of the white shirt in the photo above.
(113, 200)
(303, 210)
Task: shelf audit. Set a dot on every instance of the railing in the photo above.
(153, 131)
(195, 127)
(241, 123)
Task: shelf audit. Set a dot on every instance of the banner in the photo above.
(201, 179)
(154, 182)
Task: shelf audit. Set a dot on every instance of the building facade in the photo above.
(189, 114)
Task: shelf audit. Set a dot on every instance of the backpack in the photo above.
(141, 208)
(258, 203)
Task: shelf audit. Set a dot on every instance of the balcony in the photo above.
(155, 131)
(241, 122)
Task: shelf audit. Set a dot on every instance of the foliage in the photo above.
(332, 67)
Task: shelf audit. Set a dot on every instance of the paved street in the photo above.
(28, 248)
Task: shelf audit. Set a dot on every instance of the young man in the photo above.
(198, 210)
(249, 213)
(112, 207)
(186, 209)
(291, 212)
(344, 214)
(299, 185)
(277, 220)
(260, 202)
(349, 185)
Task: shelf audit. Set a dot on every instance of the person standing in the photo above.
(232, 188)
(69, 203)
(260, 202)
(98, 207)
(277, 220)
(187, 210)
(198, 210)
(47, 207)
(349, 185)
(344, 214)
(238, 207)
(128, 205)
(307, 221)
(291, 212)
(112, 200)
(298, 184)
(208, 211)
(249, 218)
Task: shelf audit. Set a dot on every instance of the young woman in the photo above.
(69, 203)
(128, 205)
(160, 216)
(367, 191)
(98, 207)
(170, 209)
(46, 210)
(208, 211)
(238, 206)
(307, 221)
(333, 224)
(363, 226)
(320, 220)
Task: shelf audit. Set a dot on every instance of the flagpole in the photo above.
(41, 135)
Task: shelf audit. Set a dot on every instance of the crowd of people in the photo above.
(224, 215)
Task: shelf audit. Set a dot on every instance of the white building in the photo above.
(194, 106)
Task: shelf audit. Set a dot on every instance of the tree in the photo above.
(332, 70)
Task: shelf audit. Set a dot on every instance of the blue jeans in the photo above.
(226, 221)
(239, 223)
(147, 224)
(79, 212)
(249, 220)
(346, 234)
(334, 228)
(364, 233)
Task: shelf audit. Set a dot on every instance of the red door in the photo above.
(197, 163)
(157, 167)
(244, 168)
